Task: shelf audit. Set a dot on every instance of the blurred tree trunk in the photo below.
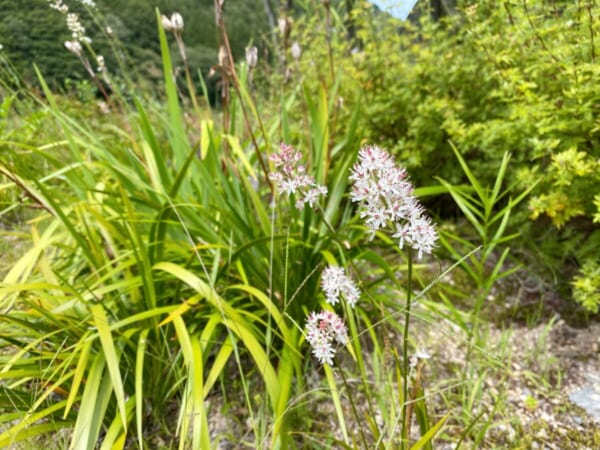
(441, 8)
(270, 14)
(351, 33)
(436, 9)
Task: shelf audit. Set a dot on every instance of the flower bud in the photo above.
(74, 47)
(223, 58)
(101, 64)
(296, 50)
(104, 109)
(177, 22)
(166, 23)
(251, 56)
(285, 26)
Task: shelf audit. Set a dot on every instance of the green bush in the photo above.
(586, 286)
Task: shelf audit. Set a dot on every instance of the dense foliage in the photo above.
(493, 77)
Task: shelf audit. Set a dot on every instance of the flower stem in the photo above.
(354, 410)
(405, 361)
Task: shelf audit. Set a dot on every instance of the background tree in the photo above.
(36, 34)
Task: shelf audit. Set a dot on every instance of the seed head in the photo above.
(74, 47)
(285, 26)
(251, 56)
(296, 50)
(177, 22)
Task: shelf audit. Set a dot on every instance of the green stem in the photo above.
(354, 410)
(405, 361)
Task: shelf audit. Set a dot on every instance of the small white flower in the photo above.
(101, 64)
(289, 186)
(335, 283)
(422, 354)
(312, 196)
(419, 233)
(324, 352)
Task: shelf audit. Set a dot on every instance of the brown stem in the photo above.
(414, 392)
(328, 30)
(537, 35)
(229, 69)
(97, 82)
(32, 195)
(188, 76)
(509, 13)
(591, 22)
(224, 61)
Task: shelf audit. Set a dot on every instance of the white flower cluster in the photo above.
(76, 29)
(58, 5)
(336, 283)
(386, 199)
(322, 330)
(325, 328)
(293, 179)
(74, 25)
(88, 3)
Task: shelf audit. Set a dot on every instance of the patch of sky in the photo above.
(397, 8)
